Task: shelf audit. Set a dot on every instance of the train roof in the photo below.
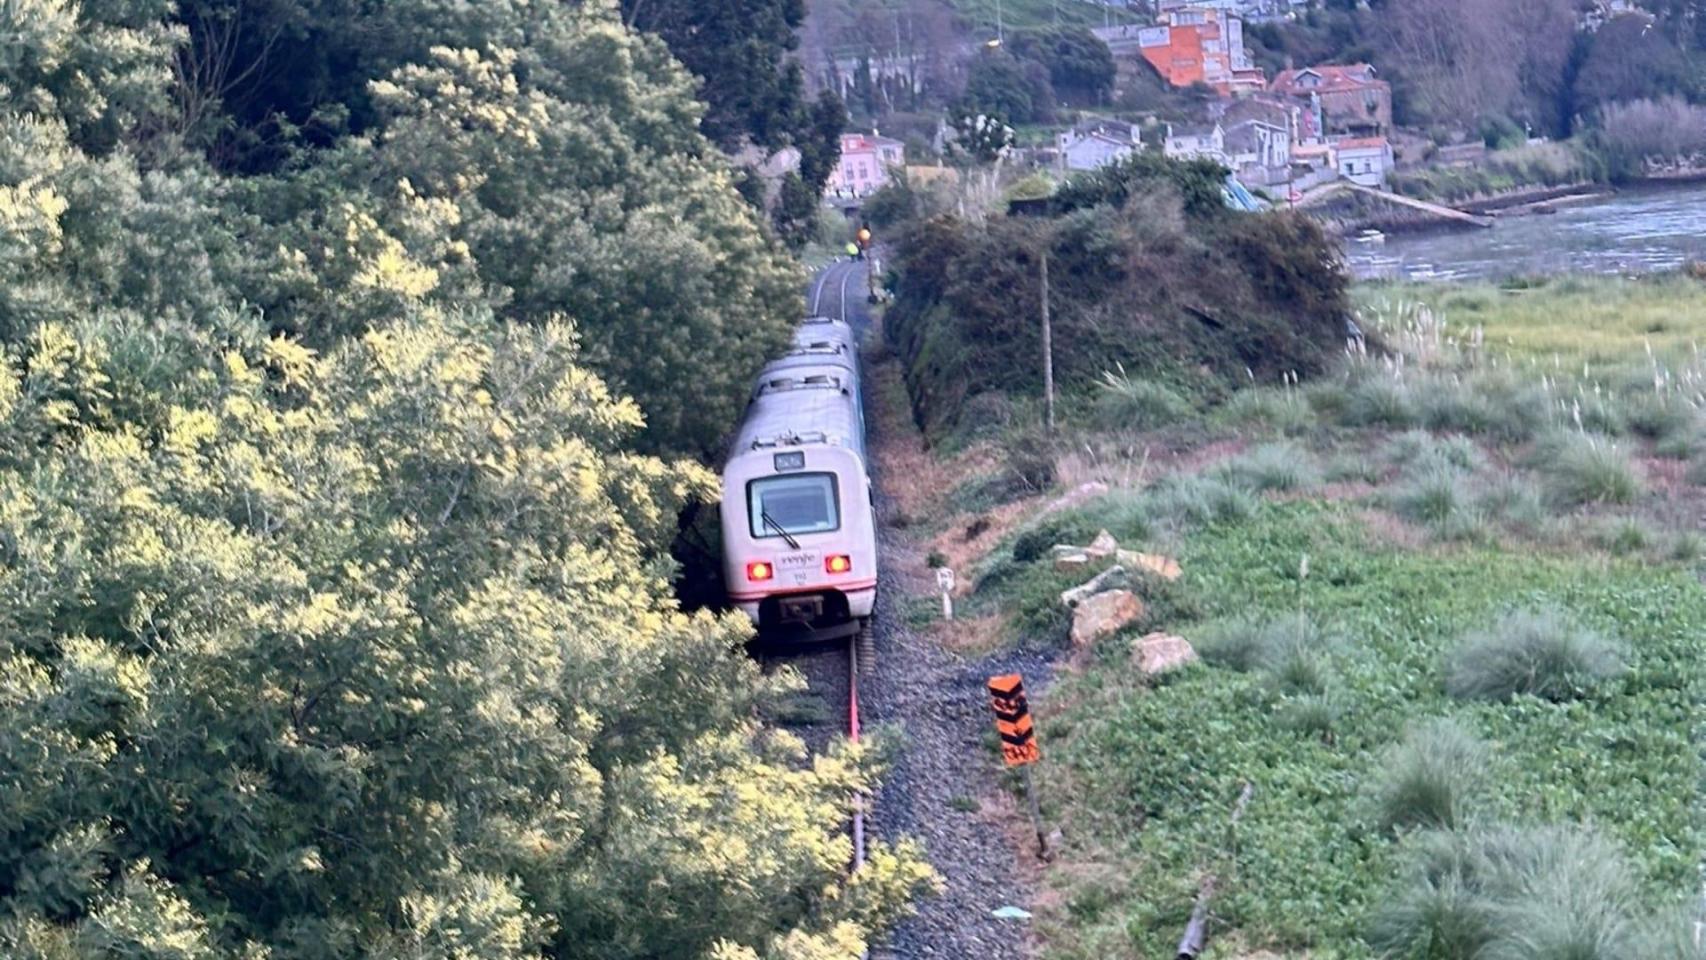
(809, 396)
(817, 353)
(819, 329)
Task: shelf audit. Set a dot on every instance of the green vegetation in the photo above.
(338, 468)
(1534, 652)
(1542, 165)
(1430, 778)
(1035, 14)
(1148, 777)
(1153, 277)
(1448, 630)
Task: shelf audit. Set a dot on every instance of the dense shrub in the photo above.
(1034, 542)
(1429, 779)
(1378, 400)
(1185, 501)
(1536, 652)
(1144, 273)
(1418, 449)
(1291, 650)
(1434, 495)
(1125, 402)
(1283, 410)
(1273, 466)
(1581, 468)
(1496, 406)
(1535, 893)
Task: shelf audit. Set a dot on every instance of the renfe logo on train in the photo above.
(1013, 720)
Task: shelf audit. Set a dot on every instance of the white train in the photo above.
(799, 528)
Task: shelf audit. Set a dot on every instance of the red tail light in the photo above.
(759, 570)
(837, 563)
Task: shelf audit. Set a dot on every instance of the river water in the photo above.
(1640, 230)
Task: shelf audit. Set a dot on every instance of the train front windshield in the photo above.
(796, 503)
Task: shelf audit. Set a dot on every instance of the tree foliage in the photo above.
(1149, 272)
(334, 610)
(1080, 66)
(1007, 87)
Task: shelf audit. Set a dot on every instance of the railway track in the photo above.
(833, 671)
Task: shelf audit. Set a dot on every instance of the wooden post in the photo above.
(1048, 352)
(1036, 813)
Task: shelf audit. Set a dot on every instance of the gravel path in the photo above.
(935, 700)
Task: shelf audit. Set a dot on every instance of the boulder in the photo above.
(1104, 615)
(1153, 564)
(1161, 652)
(1103, 547)
(1071, 562)
(1071, 598)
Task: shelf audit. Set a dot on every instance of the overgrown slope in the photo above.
(1148, 271)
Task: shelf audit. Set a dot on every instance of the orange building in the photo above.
(1199, 45)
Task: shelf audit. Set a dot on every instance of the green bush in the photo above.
(1034, 542)
(1438, 497)
(1290, 650)
(1581, 468)
(1380, 400)
(1659, 417)
(1028, 461)
(1515, 503)
(1418, 448)
(1431, 777)
(1312, 714)
(1186, 501)
(1622, 536)
(1536, 652)
(1498, 406)
(1124, 402)
(1283, 410)
(1442, 908)
(1538, 893)
(1680, 445)
(1272, 466)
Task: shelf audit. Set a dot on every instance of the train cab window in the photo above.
(796, 503)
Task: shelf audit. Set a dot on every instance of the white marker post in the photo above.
(945, 580)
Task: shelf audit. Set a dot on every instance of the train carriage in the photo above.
(799, 530)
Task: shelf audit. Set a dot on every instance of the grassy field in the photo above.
(1450, 615)
(1603, 322)
(1023, 14)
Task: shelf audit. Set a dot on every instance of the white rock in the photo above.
(1103, 546)
(1151, 563)
(1161, 652)
(1104, 615)
(1072, 597)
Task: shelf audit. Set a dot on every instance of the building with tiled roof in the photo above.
(1351, 98)
(1201, 45)
(865, 163)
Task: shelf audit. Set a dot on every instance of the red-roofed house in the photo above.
(1200, 45)
(1350, 98)
(865, 163)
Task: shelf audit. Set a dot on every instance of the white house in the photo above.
(1259, 151)
(1189, 143)
(1091, 146)
(1364, 160)
(865, 163)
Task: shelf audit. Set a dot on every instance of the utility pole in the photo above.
(1048, 352)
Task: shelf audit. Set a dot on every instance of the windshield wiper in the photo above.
(770, 522)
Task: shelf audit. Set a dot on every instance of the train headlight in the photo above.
(759, 570)
(837, 563)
